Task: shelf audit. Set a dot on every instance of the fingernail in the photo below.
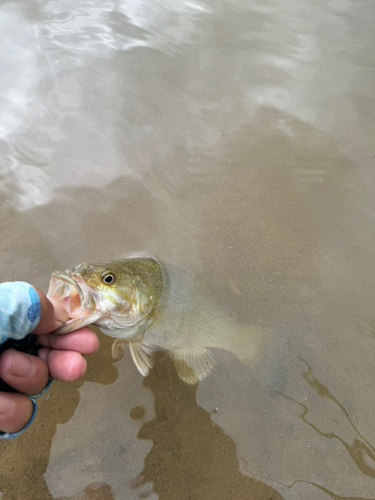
(22, 366)
(6, 404)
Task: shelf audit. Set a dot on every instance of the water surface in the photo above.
(234, 140)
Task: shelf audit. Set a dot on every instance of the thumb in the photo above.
(51, 318)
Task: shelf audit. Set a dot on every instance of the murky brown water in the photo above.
(231, 139)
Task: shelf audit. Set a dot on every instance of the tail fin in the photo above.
(247, 342)
(263, 350)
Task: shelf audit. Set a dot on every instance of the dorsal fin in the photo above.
(192, 365)
(143, 356)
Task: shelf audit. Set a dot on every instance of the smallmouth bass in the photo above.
(151, 306)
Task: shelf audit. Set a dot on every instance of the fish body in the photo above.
(151, 306)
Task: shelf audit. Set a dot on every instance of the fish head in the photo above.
(112, 295)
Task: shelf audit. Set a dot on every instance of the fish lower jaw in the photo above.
(78, 322)
(70, 326)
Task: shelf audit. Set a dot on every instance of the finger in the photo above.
(50, 319)
(23, 372)
(64, 365)
(83, 341)
(43, 354)
(15, 411)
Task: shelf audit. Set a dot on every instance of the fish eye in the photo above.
(108, 278)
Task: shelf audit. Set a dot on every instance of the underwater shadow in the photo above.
(94, 491)
(24, 460)
(191, 456)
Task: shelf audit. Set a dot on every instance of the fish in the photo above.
(151, 305)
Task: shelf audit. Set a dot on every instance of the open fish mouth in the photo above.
(72, 293)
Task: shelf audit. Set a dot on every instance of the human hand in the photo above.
(61, 358)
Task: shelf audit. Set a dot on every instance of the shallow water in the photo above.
(234, 140)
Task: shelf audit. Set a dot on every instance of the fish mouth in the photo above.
(70, 292)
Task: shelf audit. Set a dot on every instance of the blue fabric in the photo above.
(19, 310)
(19, 315)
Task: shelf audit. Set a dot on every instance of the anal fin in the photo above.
(192, 365)
(143, 356)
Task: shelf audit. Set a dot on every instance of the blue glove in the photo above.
(19, 315)
(19, 310)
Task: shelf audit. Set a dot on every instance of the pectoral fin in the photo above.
(192, 365)
(143, 356)
(118, 348)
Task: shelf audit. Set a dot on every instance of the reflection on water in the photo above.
(233, 140)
